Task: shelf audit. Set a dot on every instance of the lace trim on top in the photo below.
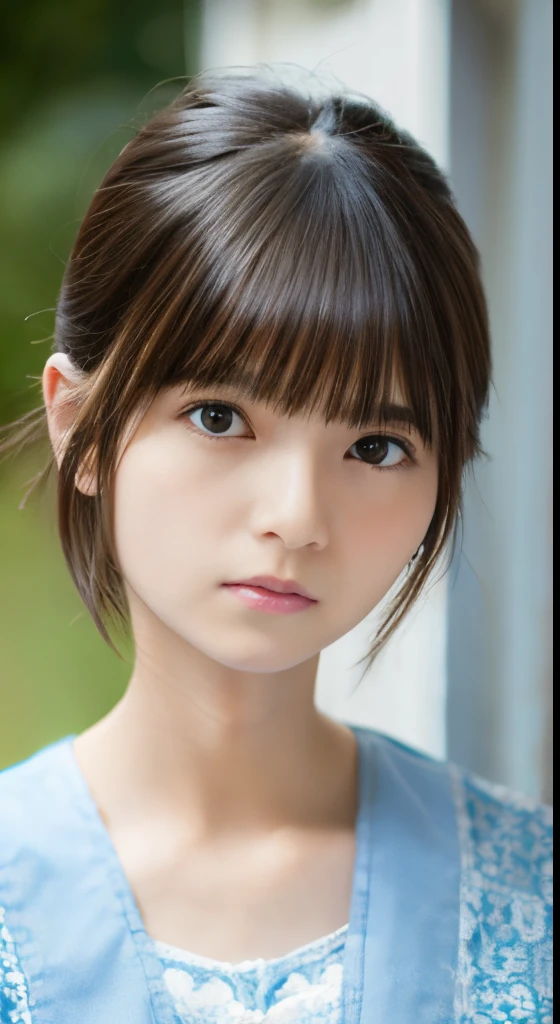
(303, 987)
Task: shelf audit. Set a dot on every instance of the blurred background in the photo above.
(469, 675)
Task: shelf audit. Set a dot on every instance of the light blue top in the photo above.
(450, 916)
(304, 987)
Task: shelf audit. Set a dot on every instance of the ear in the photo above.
(61, 380)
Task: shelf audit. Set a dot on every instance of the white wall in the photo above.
(397, 52)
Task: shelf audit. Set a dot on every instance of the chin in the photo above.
(253, 653)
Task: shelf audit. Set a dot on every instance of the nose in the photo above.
(290, 502)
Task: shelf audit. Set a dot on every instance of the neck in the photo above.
(220, 747)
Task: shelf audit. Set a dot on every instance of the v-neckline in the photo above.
(353, 961)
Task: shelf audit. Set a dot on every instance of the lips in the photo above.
(275, 584)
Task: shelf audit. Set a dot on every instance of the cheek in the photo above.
(386, 532)
(159, 520)
(404, 521)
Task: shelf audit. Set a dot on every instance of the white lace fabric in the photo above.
(303, 987)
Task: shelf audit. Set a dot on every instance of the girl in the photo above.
(272, 360)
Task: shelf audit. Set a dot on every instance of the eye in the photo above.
(383, 452)
(215, 420)
(215, 417)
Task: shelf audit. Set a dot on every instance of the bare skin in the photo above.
(230, 799)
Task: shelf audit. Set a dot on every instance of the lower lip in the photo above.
(268, 600)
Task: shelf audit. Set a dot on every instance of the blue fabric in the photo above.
(505, 952)
(413, 866)
(303, 987)
(450, 918)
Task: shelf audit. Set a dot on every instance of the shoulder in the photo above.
(503, 847)
(35, 795)
(485, 812)
(504, 839)
(35, 776)
(26, 796)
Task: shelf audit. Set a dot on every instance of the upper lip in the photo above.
(278, 585)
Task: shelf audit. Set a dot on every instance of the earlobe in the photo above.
(86, 479)
(61, 378)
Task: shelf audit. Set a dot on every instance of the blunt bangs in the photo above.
(320, 313)
(288, 270)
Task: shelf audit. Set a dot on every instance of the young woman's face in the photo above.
(207, 495)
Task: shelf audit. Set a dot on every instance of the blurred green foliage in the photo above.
(76, 80)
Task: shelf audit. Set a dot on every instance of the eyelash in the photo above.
(407, 448)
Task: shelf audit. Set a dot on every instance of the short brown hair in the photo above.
(304, 247)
